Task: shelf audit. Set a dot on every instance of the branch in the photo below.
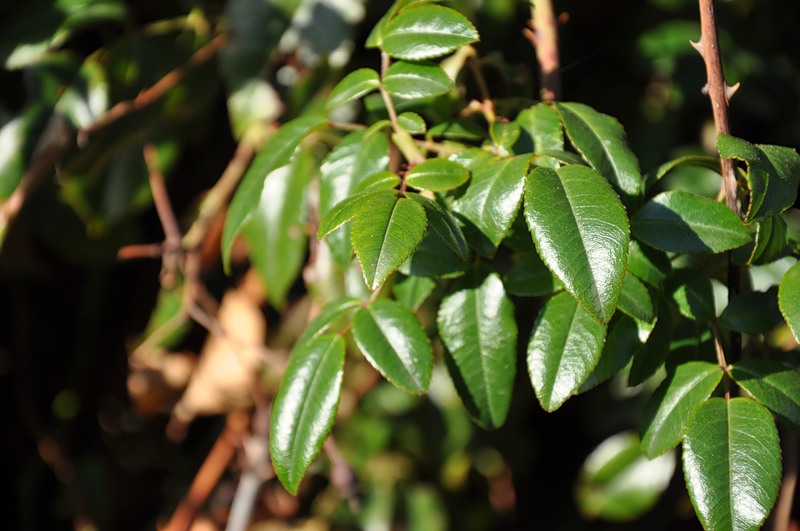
(719, 92)
(543, 35)
(150, 95)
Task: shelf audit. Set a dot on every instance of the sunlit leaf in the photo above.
(355, 85)
(773, 384)
(405, 80)
(635, 300)
(541, 131)
(437, 175)
(425, 32)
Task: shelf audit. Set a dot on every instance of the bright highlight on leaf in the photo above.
(581, 232)
(408, 81)
(437, 175)
(305, 407)
(425, 32)
(355, 85)
(732, 463)
(774, 385)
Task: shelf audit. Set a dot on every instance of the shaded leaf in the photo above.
(774, 385)
(789, 299)
(437, 175)
(602, 142)
(333, 318)
(353, 86)
(581, 232)
(649, 265)
(458, 130)
(529, 277)
(773, 174)
(393, 341)
(690, 160)
(411, 292)
(443, 224)
(305, 407)
(425, 32)
(664, 415)
(276, 153)
(618, 483)
(564, 349)
(693, 294)
(680, 222)
(753, 312)
(732, 463)
(409, 81)
(625, 338)
(651, 356)
(541, 132)
(635, 300)
(478, 328)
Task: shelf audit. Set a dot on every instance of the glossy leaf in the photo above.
(732, 463)
(383, 180)
(353, 86)
(753, 312)
(529, 277)
(693, 294)
(774, 385)
(458, 130)
(581, 232)
(478, 328)
(408, 81)
(437, 175)
(305, 407)
(541, 131)
(276, 153)
(649, 265)
(603, 143)
(504, 135)
(333, 318)
(351, 207)
(680, 222)
(772, 241)
(664, 415)
(491, 201)
(412, 291)
(618, 483)
(690, 160)
(625, 338)
(564, 349)
(648, 359)
(443, 225)
(789, 299)
(412, 122)
(393, 341)
(773, 174)
(425, 32)
(635, 300)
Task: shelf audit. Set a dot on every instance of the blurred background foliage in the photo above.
(79, 449)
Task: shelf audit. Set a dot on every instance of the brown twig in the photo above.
(150, 95)
(543, 35)
(719, 92)
(782, 517)
(51, 145)
(215, 464)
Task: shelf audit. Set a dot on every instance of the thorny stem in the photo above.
(543, 35)
(720, 94)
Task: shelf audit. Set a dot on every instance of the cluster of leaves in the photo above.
(550, 204)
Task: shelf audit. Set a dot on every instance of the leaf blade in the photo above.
(426, 31)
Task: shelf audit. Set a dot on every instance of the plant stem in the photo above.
(782, 518)
(719, 92)
(543, 35)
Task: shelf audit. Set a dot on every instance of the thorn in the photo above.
(730, 91)
(699, 46)
(705, 89)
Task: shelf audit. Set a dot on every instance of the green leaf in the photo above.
(635, 300)
(625, 338)
(351, 207)
(618, 483)
(664, 415)
(753, 312)
(693, 294)
(275, 232)
(305, 407)
(581, 232)
(491, 201)
(385, 234)
(437, 175)
(408, 81)
(680, 222)
(504, 135)
(772, 241)
(789, 299)
(458, 130)
(276, 153)
(375, 37)
(412, 122)
(649, 265)
(691, 160)
(773, 174)
(425, 32)
(774, 385)
(603, 143)
(732, 463)
(651, 356)
(434, 258)
(384, 180)
(564, 349)
(356, 157)
(529, 277)
(393, 341)
(412, 291)
(541, 131)
(443, 225)
(478, 328)
(332, 319)
(355, 85)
